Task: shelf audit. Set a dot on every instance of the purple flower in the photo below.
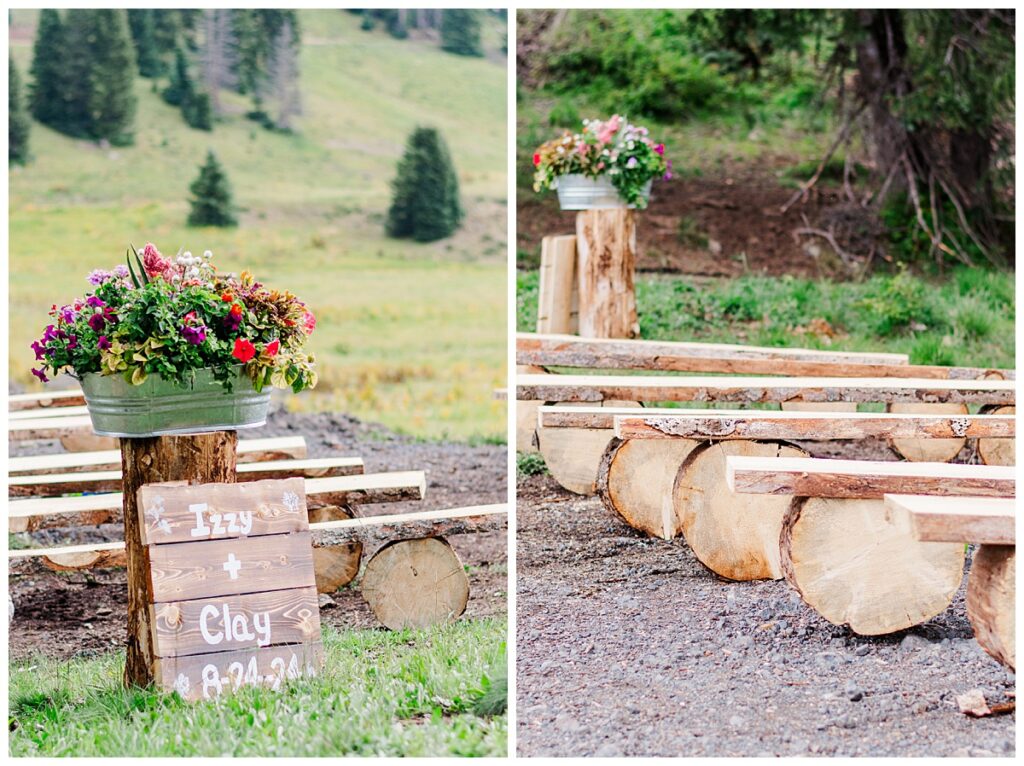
(233, 320)
(631, 163)
(97, 322)
(39, 348)
(40, 374)
(660, 149)
(103, 343)
(68, 314)
(95, 302)
(121, 271)
(72, 342)
(50, 333)
(99, 276)
(194, 334)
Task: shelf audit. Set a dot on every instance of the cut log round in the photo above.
(991, 591)
(858, 563)
(998, 451)
(736, 536)
(819, 406)
(573, 455)
(526, 415)
(415, 583)
(336, 565)
(635, 481)
(928, 450)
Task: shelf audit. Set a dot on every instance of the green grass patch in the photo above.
(410, 693)
(410, 335)
(966, 319)
(530, 464)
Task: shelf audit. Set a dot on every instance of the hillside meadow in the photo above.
(409, 335)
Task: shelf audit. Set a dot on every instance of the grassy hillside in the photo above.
(410, 335)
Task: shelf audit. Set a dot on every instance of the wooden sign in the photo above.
(231, 585)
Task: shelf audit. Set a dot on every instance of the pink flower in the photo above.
(154, 263)
(309, 324)
(660, 149)
(272, 348)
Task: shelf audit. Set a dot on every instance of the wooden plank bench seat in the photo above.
(56, 484)
(71, 397)
(47, 413)
(249, 450)
(991, 586)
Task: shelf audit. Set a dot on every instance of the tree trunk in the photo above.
(196, 459)
(606, 253)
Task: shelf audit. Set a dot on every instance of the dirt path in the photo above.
(628, 646)
(70, 614)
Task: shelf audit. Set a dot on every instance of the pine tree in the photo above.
(217, 54)
(425, 198)
(197, 111)
(460, 31)
(46, 93)
(211, 202)
(77, 73)
(284, 77)
(17, 118)
(147, 52)
(112, 98)
(180, 88)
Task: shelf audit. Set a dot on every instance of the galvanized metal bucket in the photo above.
(580, 192)
(160, 407)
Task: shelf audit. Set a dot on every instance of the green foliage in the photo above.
(197, 111)
(460, 31)
(211, 203)
(530, 464)
(49, 77)
(900, 303)
(908, 242)
(17, 118)
(147, 52)
(564, 115)
(180, 88)
(255, 32)
(425, 193)
(689, 234)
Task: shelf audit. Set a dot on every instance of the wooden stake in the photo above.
(556, 295)
(196, 459)
(606, 254)
(991, 594)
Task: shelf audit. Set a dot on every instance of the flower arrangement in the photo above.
(173, 317)
(623, 152)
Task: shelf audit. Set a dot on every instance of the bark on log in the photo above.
(526, 416)
(928, 450)
(999, 451)
(415, 584)
(197, 459)
(635, 481)
(735, 536)
(991, 593)
(606, 257)
(859, 564)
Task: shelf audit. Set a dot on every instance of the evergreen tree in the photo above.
(17, 118)
(425, 198)
(112, 100)
(197, 111)
(147, 52)
(46, 94)
(284, 78)
(211, 202)
(77, 73)
(180, 88)
(460, 31)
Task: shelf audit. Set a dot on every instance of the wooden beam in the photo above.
(980, 520)
(57, 484)
(814, 477)
(597, 388)
(48, 428)
(49, 412)
(613, 354)
(71, 397)
(818, 426)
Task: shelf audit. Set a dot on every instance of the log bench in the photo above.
(413, 577)
(848, 555)
(638, 467)
(989, 523)
(70, 397)
(573, 454)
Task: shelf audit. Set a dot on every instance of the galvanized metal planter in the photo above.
(159, 407)
(580, 192)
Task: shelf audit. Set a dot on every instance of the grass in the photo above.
(966, 319)
(409, 693)
(410, 335)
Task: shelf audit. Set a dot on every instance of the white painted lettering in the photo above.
(207, 612)
(245, 517)
(262, 623)
(200, 529)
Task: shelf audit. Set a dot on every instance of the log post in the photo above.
(606, 255)
(195, 459)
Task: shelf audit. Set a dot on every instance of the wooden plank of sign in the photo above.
(221, 511)
(597, 388)
(230, 623)
(979, 520)
(815, 477)
(48, 413)
(72, 397)
(615, 354)
(249, 451)
(54, 485)
(183, 571)
(747, 424)
(207, 676)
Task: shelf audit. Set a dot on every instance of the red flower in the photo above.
(536, 159)
(272, 348)
(227, 297)
(236, 310)
(244, 350)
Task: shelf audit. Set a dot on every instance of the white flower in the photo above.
(181, 684)
(207, 254)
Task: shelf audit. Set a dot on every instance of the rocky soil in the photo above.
(628, 646)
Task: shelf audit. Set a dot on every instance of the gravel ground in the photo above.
(628, 646)
(74, 613)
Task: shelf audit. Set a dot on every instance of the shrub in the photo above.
(460, 31)
(211, 202)
(425, 201)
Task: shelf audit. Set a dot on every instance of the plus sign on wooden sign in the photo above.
(231, 584)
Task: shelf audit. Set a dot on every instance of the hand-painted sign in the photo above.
(232, 585)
